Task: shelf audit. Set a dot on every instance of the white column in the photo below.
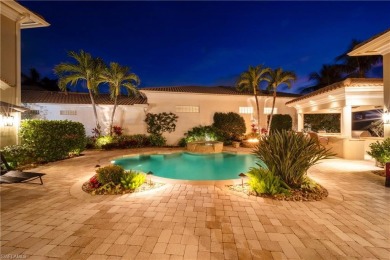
(386, 90)
(300, 124)
(346, 121)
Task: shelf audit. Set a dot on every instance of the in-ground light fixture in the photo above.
(149, 174)
(242, 176)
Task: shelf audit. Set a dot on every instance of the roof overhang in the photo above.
(361, 97)
(21, 14)
(377, 45)
(7, 107)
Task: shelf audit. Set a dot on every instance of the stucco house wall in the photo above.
(208, 105)
(129, 117)
(13, 18)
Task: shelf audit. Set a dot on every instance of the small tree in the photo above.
(231, 125)
(160, 123)
(281, 122)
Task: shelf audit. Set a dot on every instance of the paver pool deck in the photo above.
(57, 220)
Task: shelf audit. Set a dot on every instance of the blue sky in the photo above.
(201, 43)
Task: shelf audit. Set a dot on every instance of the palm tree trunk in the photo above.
(258, 112)
(272, 112)
(94, 109)
(113, 113)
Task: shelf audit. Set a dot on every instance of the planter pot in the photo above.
(236, 144)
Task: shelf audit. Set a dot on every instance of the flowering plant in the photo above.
(94, 183)
(118, 131)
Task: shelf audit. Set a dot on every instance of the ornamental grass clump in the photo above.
(290, 155)
(264, 181)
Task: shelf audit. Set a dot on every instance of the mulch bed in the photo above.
(120, 190)
(316, 194)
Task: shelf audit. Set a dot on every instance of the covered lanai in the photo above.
(345, 97)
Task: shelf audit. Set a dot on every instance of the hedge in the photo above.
(53, 140)
(230, 125)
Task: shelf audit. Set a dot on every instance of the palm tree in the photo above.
(250, 81)
(276, 78)
(86, 68)
(328, 74)
(119, 77)
(357, 66)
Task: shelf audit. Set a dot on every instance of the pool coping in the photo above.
(189, 182)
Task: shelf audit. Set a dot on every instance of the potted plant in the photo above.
(380, 151)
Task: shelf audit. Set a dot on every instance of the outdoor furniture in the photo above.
(319, 139)
(10, 176)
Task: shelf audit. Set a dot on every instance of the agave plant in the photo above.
(290, 155)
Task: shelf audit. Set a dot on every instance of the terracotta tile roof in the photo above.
(350, 82)
(219, 90)
(32, 96)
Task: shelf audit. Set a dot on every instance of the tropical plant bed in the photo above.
(316, 194)
(112, 189)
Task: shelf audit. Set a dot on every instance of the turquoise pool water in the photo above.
(186, 166)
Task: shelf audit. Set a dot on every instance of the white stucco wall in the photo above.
(130, 118)
(209, 104)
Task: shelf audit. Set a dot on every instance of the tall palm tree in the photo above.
(87, 69)
(328, 74)
(119, 77)
(276, 78)
(357, 66)
(250, 81)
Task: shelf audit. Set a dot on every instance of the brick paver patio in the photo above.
(56, 220)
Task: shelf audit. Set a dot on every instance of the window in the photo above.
(33, 112)
(246, 110)
(267, 110)
(187, 109)
(68, 112)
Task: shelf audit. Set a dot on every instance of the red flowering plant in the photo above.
(94, 183)
(263, 131)
(117, 130)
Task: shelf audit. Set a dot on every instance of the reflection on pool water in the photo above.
(187, 166)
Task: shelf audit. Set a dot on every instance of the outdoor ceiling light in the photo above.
(386, 117)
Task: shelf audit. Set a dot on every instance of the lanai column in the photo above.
(300, 123)
(386, 90)
(346, 121)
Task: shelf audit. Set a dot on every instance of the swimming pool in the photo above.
(187, 166)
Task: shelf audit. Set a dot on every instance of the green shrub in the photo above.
(18, 155)
(157, 140)
(182, 142)
(90, 142)
(132, 180)
(110, 173)
(53, 140)
(380, 151)
(281, 122)
(108, 188)
(264, 181)
(290, 155)
(202, 133)
(158, 124)
(231, 126)
(104, 142)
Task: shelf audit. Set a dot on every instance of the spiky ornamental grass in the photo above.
(290, 155)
